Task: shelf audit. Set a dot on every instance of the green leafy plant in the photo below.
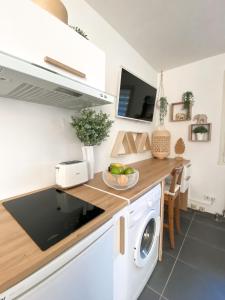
(91, 127)
(188, 100)
(162, 109)
(80, 31)
(200, 129)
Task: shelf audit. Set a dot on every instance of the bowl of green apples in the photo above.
(120, 177)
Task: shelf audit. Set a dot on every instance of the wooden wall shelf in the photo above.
(131, 142)
(178, 114)
(193, 137)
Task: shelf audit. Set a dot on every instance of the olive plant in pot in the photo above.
(200, 132)
(92, 128)
(188, 100)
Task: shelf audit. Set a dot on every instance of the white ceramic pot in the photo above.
(200, 136)
(88, 155)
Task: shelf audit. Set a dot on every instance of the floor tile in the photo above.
(161, 273)
(203, 257)
(209, 219)
(187, 283)
(166, 243)
(212, 235)
(188, 214)
(185, 222)
(148, 294)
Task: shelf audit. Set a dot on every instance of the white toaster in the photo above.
(71, 173)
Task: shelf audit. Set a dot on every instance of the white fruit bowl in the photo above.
(120, 182)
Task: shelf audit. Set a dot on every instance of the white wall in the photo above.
(205, 79)
(35, 137)
(118, 53)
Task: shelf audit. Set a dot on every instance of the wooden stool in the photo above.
(171, 200)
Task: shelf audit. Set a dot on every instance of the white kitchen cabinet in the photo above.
(31, 33)
(120, 221)
(84, 272)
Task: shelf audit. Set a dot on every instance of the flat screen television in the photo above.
(136, 98)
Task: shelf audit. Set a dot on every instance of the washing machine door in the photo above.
(146, 239)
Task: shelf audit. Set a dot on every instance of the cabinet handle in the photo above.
(188, 166)
(60, 65)
(122, 235)
(188, 178)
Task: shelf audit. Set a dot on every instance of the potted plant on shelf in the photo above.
(91, 128)
(188, 100)
(200, 132)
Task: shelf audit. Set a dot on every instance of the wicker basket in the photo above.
(161, 143)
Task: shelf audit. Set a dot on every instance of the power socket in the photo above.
(201, 208)
(194, 206)
(212, 199)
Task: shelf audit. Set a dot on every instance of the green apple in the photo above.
(129, 170)
(116, 170)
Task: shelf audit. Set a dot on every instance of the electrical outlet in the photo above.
(202, 208)
(209, 198)
(194, 206)
(213, 199)
(224, 213)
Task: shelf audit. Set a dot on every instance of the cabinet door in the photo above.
(120, 254)
(89, 276)
(31, 33)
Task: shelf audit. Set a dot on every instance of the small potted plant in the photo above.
(200, 132)
(188, 100)
(92, 128)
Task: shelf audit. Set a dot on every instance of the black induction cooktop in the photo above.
(51, 215)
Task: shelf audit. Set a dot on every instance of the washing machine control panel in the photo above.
(147, 202)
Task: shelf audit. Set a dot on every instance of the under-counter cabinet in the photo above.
(120, 222)
(85, 271)
(31, 33)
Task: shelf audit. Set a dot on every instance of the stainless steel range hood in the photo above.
(25, 81)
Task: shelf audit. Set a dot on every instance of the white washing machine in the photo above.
(143, 241)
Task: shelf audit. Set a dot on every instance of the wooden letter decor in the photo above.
(131, 142)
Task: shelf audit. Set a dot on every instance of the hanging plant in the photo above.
(162, 102)
(162, 109)
(188, 100)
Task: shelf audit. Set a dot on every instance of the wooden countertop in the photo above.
(20, 256)
(151, 171)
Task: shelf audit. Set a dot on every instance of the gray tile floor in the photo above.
(195, 270)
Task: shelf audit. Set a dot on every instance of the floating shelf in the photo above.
(206, 137)
(178, 114)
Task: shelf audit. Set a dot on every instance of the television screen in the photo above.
(136, 98)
